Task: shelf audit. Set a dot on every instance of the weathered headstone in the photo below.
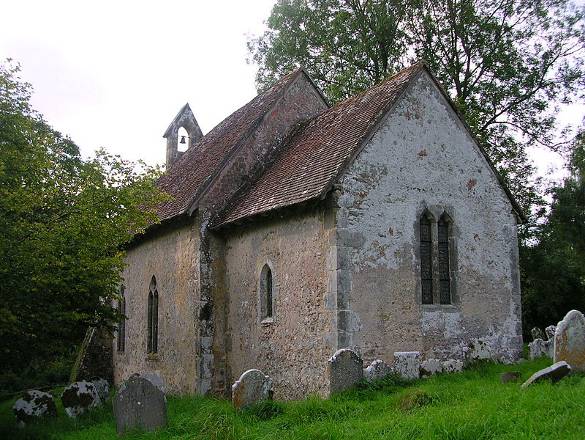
(377, 370)
(252, 387)
(537, 333)
(510, 376)
(33, 405)
(80, 397)
(154, 378)
(550, 332)
(103, 389)
(345, 369)
(430, 367)
(407, 364)
(539, 348)
(480, 349)
(554, 373)
(452, 366)
(139, 404)
(569, 343)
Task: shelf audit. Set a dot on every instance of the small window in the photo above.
(122, 322)
(152, 317)
(266, 293)
(443, 235)
(426, 258)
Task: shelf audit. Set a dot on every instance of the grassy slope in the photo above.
(472, 405)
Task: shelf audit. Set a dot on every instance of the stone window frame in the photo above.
(121, 335)
(437, 212)
(261, 290)
(152, 318)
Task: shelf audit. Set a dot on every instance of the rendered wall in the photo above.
(172, 257)
(293, 350)
(422, 157)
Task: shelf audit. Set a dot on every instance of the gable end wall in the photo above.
(421, 157)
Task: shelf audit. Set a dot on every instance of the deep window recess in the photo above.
(444, 273)
(426, 259)
(266, 293)
(122, 322)
(152, 317)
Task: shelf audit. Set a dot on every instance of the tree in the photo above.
(507, 64)
(553, 272)
(64, 221)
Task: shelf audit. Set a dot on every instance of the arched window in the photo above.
(426, 257)
(443, 234)
(266, 293)
(122, 322)
(152, 317)
(182, 139)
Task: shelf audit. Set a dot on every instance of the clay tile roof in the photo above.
(189, 176)
(317, 153)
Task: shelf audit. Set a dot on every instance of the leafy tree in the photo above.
(63, 220)
(554, 267)
(507, 64)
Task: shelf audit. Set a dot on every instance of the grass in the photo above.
(471, 405)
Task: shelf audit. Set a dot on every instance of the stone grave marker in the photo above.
(554, 373)
(569, 340)
(377, 370)
(345, 369)
(139, 404)
(80, 397)
(252, 387)
(34, 404)
(407, 364)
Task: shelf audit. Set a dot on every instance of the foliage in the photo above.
(554, 267)
(64, 220)
(507, 64)
(469, 405)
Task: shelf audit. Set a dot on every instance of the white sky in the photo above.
(113, 74)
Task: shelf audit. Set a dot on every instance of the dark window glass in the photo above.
(266, 293)
(426, 260)
(153, 317)
(444, 271)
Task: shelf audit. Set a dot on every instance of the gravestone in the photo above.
(154, 378)
(554, 373)
(452, 366)
(252, 387)
(33, 405)
(539, 348)
(480, 348)
(345, 369)
(407, 364)
(537, 333)
(139, 404)
(550, 332)
(103, 389)
(569, 342)
(430, 367)
(377, 370)
(80, 397)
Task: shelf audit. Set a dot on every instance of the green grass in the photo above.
(472, 405)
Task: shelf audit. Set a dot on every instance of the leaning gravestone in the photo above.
(80, 397)
(252, 387)
(554, 373)
(33, 405)
(377, 370)
(345, 369)
(570, 341)
(407, 364)
(139, 404)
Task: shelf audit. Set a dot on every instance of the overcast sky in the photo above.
(113, 74)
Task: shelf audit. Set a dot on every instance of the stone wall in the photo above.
(172, 256)
(421, 157)
(294, 348)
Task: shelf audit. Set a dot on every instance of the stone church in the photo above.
(297, 228)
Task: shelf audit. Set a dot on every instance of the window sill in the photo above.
(267, 322)
(442, 307)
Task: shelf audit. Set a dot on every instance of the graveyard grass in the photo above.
(472, 405)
